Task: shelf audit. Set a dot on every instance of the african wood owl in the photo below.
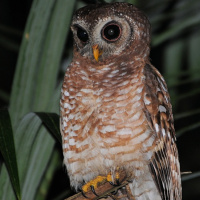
(115, 106)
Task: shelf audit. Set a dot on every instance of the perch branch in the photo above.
(104, 190)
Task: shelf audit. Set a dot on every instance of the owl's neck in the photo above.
(112, 73)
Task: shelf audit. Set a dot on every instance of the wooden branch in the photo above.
(104, 190)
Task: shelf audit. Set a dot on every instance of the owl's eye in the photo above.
(82, 34)
(111, 32)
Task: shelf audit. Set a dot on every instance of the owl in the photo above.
(115, 106)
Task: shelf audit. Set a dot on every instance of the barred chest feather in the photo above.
(103, 122)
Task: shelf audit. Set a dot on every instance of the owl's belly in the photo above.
(106, 136)
(105, 128)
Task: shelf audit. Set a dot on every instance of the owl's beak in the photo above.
(96, 52)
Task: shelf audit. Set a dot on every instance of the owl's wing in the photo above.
(164, 163)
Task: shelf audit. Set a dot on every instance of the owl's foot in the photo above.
(104, 186)
(93, 184)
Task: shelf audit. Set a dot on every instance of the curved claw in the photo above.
(84, 194)
(111, 183)
(93, 190)
(117, 181)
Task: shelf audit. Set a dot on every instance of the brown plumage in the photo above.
(116, 112)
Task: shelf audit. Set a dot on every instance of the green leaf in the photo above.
(33, 90)
(186, 129)
(39, 58)
(176, 29)
(193, 54)
(186, 114)
(7, 149)
(51, 121)
(191, 176)
(55, 161)
(40, 153)
(33, 154)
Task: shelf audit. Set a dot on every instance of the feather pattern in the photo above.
(164, 163)
(116, 113)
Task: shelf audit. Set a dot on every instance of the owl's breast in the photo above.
(102, 121)
(122, 129)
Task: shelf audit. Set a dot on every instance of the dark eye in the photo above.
(111, 32)
(82, 34)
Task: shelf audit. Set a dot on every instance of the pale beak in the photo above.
(96, 52)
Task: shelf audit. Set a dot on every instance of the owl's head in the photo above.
(109, 31)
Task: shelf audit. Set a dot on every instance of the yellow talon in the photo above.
(109, 177)
(117, 175)
(100, 179)
(85, 187)
(93, 183)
